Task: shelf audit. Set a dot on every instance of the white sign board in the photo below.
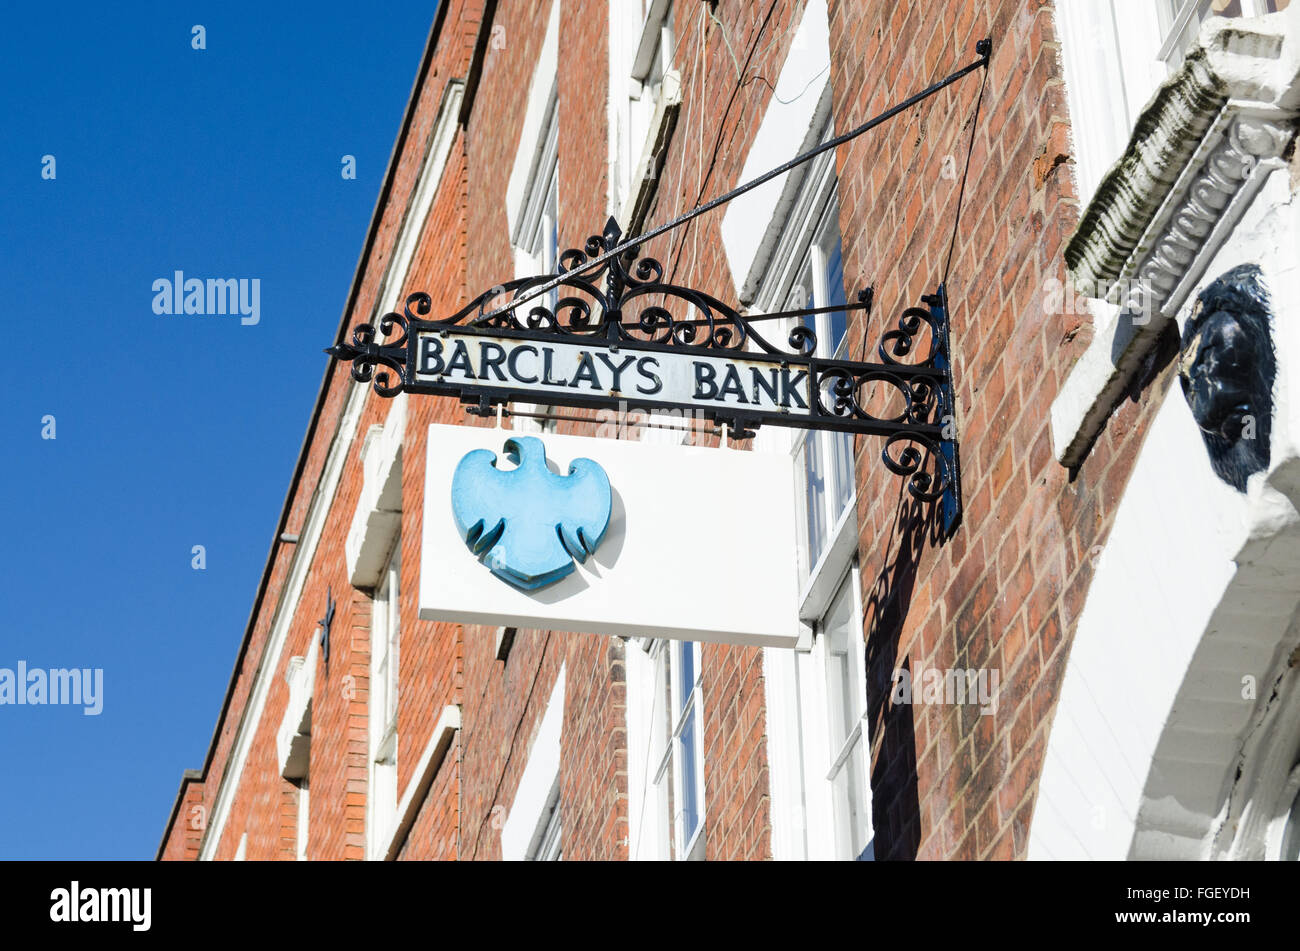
(700, 545)
(582, 370)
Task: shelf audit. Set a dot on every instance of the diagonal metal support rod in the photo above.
(984, 48)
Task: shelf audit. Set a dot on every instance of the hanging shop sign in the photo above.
(607, 331)
(530, 531)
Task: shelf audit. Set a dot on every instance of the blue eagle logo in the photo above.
(528, 524)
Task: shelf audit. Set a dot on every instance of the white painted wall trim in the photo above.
(539, 98)
(533, 793)
(435, 751)
(377, 520)
(784, 754)
(1156, 749)
(293, 742)
(794, 117)
(646, 718)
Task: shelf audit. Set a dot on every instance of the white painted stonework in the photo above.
(1210, 137)
(1178, 726)
(378, 516)
(537, 781)
(539, 97)
(683, 556)
(293, 740)
(751, 223)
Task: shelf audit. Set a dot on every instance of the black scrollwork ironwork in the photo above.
(365, 352)
(623, 303)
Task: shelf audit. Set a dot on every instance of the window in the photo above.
(538, 237)
(1180, 21)
(385, 628)
(817, 694)
(825, 458)
(665, 750)
(684, 758)
(807, 270)
(1116, 53)
(304, 808)
(547, 843)
(644, 102)
(537, 240)
(818, 742)
(840, 639)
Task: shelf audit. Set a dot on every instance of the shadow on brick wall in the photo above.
(895, 803)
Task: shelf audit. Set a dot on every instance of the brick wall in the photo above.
(1006, 591)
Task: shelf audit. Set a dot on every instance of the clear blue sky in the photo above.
(171, 431)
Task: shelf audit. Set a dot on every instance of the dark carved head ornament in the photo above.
(1226, 369)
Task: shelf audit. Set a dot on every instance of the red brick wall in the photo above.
(186, 830)
(1005, 592)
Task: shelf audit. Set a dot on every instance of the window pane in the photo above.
(685, 674)
(837, 321)
(838, 446)
(847, 698)
(814, 473)
(1291, 837)
(689, 767)
(852, 825)
(843, 680)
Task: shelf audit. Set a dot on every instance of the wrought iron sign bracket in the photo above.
(606, 331)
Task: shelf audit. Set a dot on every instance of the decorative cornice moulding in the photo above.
(1199, 153)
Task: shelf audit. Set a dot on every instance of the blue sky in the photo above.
(171, 431)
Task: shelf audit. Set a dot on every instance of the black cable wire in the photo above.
(983, 47)
(970, 150)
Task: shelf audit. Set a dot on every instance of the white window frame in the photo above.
(801, 732)
(1180, 23)
(800, 246)
(531, 190)
(304, 812)
(533, 828)
(648, 702)
(1108, 55)
(385, 660)
(838, 751)
(1115, 55)
(535, 240)
(536, 237)
(658, 710)
(645, 92)
(548, 842)
(686, 705)
(840, 491)
(805, 755)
